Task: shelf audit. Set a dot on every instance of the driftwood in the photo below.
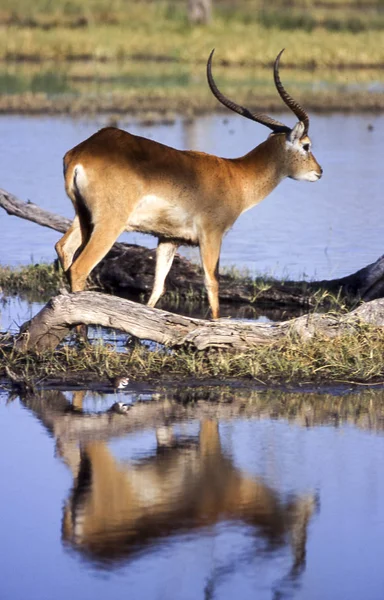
(129, 270)
(55, 320)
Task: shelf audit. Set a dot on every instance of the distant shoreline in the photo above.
(145, 60)
(167, 109)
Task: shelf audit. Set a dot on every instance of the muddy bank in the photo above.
(165, 108)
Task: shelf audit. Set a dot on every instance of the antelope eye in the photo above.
(306, 147)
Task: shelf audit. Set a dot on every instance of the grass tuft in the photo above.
(39, 281)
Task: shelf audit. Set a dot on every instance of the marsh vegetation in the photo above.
(146, 57)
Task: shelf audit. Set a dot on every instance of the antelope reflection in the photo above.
(118, 509)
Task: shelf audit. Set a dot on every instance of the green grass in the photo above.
(144, 56)
(37, 281)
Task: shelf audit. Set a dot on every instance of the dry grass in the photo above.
(253, 45)
(357, 356)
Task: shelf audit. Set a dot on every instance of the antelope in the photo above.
(122, 182)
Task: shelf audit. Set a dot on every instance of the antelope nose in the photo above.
(320, 172)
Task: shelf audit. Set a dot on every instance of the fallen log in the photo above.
(128, 269)
(54, 321)
(32, 212)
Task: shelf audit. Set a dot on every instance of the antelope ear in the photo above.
(296, 133)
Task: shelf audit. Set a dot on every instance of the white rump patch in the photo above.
(80, 179)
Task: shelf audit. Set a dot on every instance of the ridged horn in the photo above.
(294, 106)
(276, 126)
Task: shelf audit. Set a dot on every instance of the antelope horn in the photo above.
(295, 107)
(276, 126)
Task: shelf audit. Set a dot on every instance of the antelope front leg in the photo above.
(210, 247)
(165, 254)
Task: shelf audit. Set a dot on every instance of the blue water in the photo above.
(196, 517)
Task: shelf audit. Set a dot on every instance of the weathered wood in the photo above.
(32, 212)
(54, 321)
(128, 269)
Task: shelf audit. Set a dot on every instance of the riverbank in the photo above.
(354, 355)
(127, 60)
(166, 108)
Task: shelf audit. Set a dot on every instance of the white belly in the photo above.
(161, 218)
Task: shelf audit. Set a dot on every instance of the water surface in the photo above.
(246, 493)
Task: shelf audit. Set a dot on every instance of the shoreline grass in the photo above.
(356, 356)
(353, 357)
(166, 109)
(142, 57)
(37, 280)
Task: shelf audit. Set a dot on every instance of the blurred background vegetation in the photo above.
(150, 55)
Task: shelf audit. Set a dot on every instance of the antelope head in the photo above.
(293, 146)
